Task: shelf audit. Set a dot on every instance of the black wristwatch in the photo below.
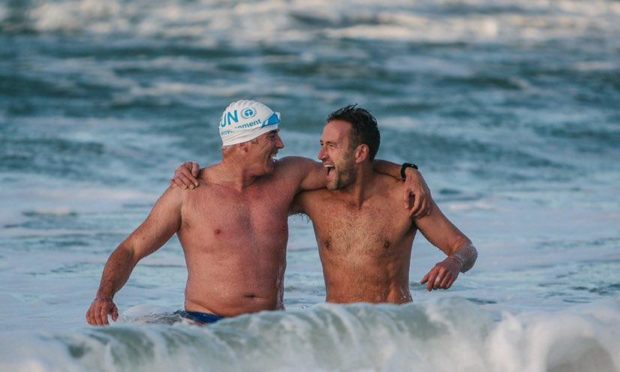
(405, 166)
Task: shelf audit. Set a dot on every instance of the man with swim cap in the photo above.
(364, 238)
(233, 228)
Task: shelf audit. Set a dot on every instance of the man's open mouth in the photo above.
(329, 168)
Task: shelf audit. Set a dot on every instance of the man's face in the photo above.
(337, 154)
(264, 149)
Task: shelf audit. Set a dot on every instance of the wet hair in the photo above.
(364, 127)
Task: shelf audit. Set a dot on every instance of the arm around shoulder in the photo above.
(308, 174)
(417, 195)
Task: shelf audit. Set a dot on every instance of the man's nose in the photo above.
(322, 155)
(279, 142)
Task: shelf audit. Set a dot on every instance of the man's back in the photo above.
(365, 251)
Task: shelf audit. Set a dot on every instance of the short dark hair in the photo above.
(364, 125)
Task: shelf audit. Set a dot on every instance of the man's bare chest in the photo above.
(228, 211)
(375, 228)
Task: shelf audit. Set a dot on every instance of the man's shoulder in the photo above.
(387, 189)
(208, 172)
(172, 198)
(386, 182)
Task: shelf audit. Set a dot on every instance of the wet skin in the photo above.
(364, 237)
(233, 230)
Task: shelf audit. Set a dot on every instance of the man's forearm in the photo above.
(466, 256)
(387, 168)
(116, 273)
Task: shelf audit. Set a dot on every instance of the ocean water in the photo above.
(511, 109)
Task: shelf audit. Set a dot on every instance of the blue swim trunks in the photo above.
(198, 317)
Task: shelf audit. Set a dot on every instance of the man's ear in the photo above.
(362, 152)
(244, 147)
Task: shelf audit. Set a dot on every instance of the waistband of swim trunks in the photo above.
(200, 317)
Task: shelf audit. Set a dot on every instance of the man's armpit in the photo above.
(297, 206)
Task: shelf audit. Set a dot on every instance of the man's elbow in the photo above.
(125, 252)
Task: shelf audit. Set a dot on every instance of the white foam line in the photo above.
(273, 22)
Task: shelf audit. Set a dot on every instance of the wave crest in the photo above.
(431, 337)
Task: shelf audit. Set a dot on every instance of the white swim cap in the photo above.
(243, 121)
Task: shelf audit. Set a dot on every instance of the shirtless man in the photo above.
(364, 237)
(233, 229)
(366, 250)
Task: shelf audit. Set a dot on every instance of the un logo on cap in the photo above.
(248, 113)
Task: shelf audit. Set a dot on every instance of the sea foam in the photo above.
(273, 22)
(438, 336)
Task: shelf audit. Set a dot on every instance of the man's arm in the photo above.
(163, 221)
(417, 194)
(311, 175)
(462, 255)
(314, 177)
(308, 174)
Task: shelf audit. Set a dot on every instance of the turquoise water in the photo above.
(510, 108)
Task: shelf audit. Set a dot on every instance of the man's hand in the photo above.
(185, 176)
(99, 310)
(417, 195)
(443, 274)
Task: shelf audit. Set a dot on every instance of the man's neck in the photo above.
(362, 188)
